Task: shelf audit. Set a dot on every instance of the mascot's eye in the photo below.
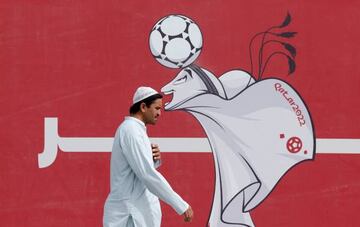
(181, 80)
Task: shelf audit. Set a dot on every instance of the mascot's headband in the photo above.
(205, 78)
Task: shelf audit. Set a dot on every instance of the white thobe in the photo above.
(135, 184)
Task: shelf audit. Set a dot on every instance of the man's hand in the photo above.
(188, 215)
(156, 152)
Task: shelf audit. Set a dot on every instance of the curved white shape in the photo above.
(51, 138)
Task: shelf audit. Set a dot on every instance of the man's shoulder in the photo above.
(130, 131)
(126, 123)
(129, 125)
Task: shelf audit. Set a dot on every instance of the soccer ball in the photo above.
(175, 41)
(294, 144)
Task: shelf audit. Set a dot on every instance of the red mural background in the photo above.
(81, 61)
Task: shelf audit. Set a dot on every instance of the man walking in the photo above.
(135, 183)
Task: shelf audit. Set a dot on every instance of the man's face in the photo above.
(153, 112)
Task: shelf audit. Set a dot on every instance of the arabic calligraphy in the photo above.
(53, 142)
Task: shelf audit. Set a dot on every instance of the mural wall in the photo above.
(259, 126)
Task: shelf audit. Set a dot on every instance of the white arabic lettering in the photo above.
(52, 141)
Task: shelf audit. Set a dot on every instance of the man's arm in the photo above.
(188, 214)
(135, 153)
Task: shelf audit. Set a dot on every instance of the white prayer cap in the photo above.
(142, 93)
